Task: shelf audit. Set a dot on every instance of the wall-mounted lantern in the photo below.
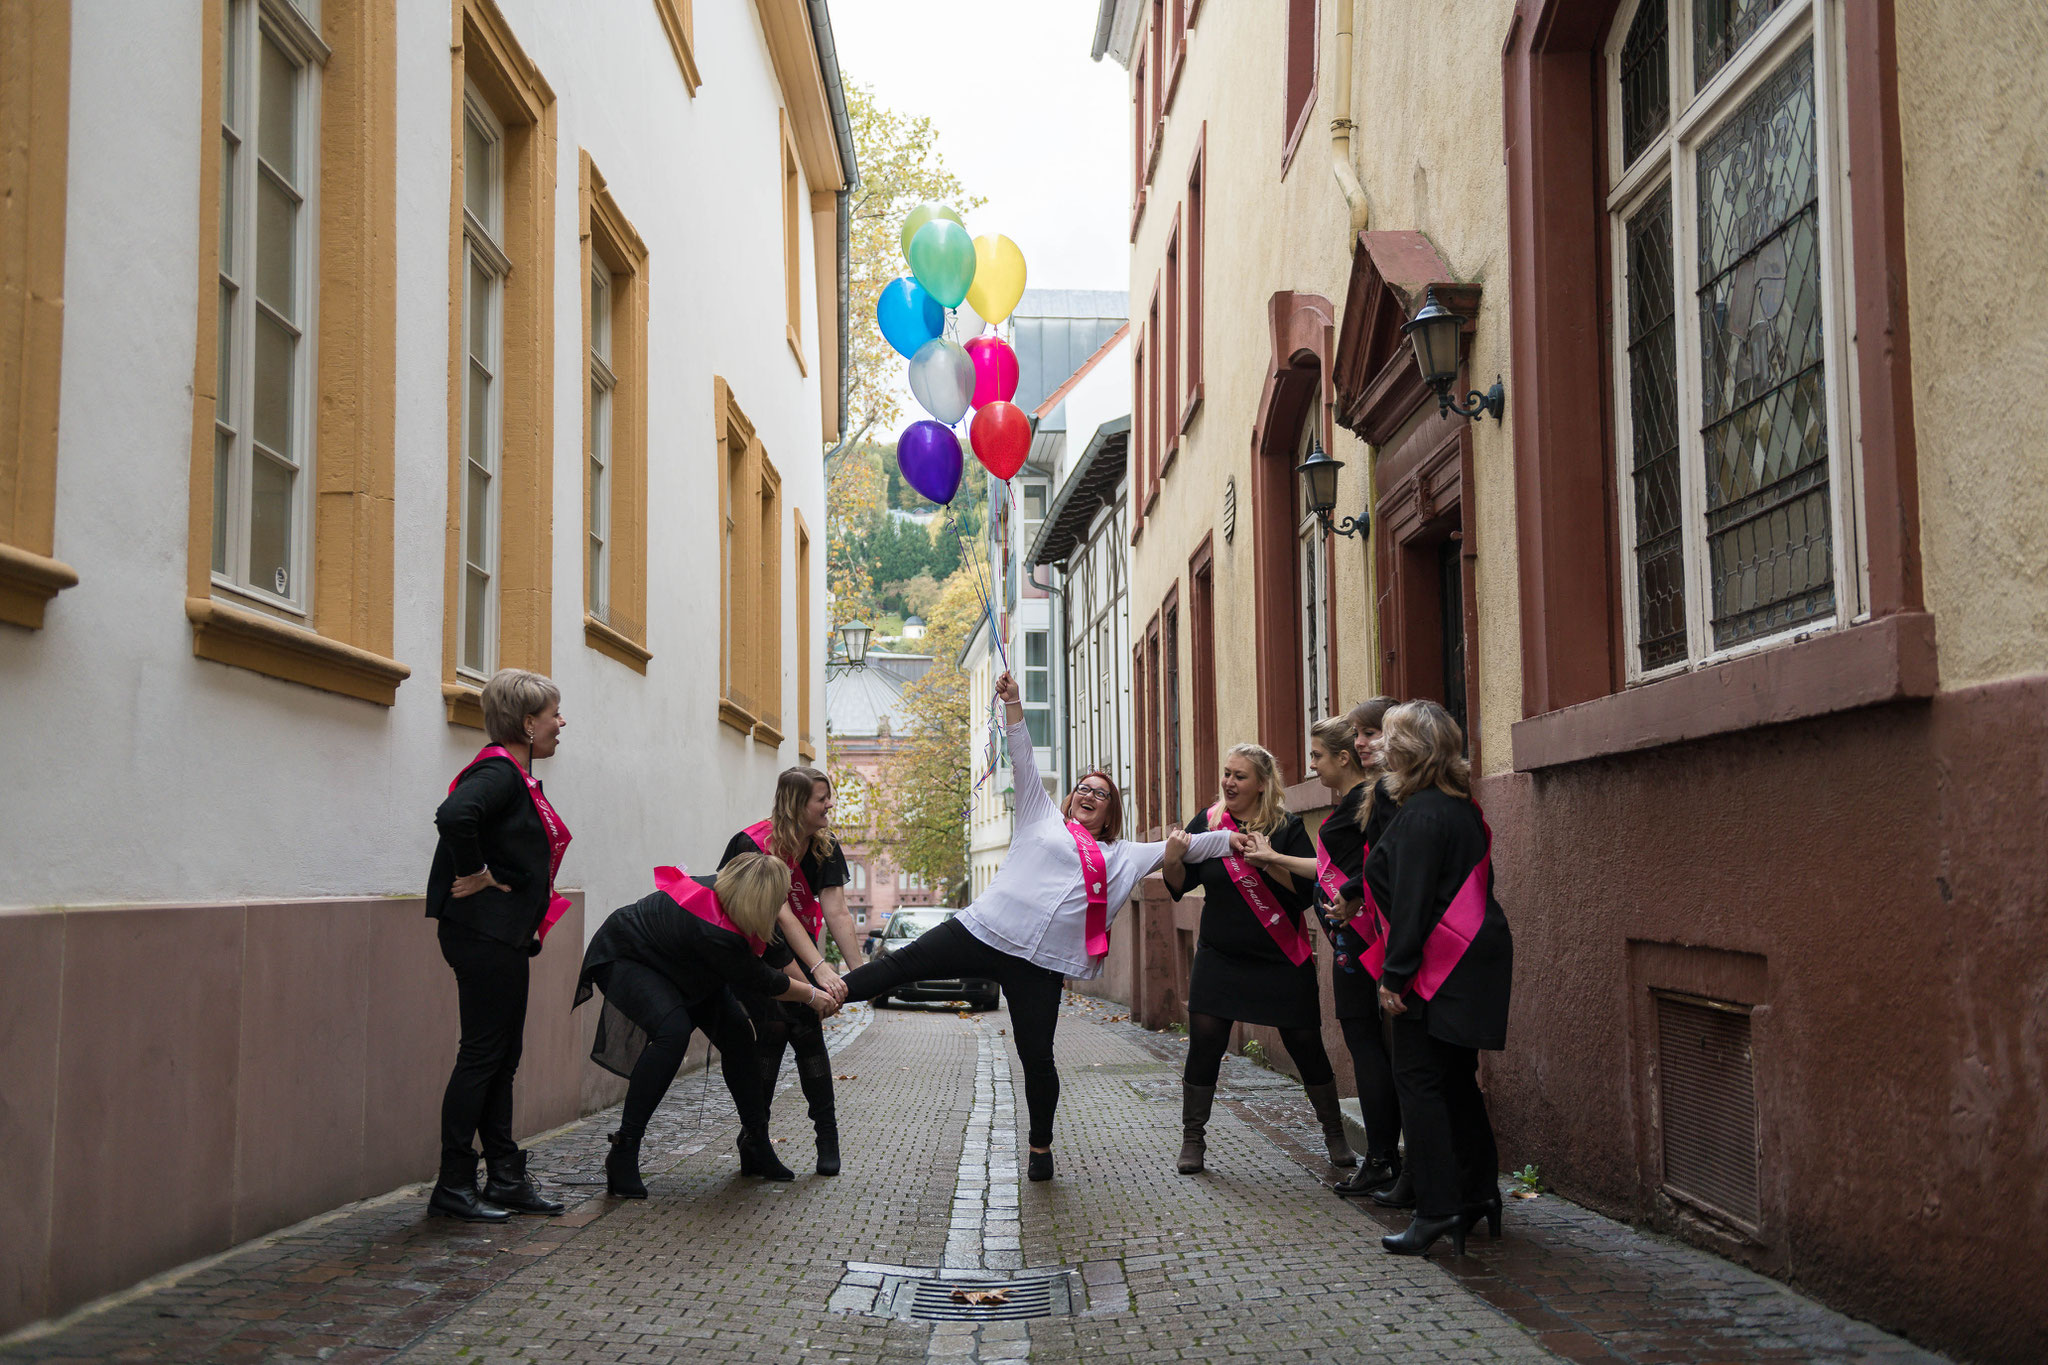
(853, 641)
(1436, 333)
(1319, 484)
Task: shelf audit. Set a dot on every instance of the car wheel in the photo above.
(990, 1001)
(881, 1002)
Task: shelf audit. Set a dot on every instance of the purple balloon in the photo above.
(928, 453)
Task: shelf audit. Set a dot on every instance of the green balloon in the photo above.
(942, 258)
(919, 216)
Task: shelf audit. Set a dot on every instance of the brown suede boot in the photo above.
(1324, 1099)
(1195, 1103)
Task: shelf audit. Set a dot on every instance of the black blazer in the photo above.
(1415, 870)
(489, 821)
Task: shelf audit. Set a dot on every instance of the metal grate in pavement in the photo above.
(935, 1301)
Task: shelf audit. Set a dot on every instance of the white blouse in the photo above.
(1036, 908)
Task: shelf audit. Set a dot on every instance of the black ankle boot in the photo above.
(510, 1187)
(1488, 1212)
(828, 1148)
(1039, 1167)
(457, 1198)
(1416, 1239)
(1399, 1195)
(757, 1156)
(622, 1168)
(1373, 1173)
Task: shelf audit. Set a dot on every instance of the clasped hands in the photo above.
(831, 991)
(1178, 839)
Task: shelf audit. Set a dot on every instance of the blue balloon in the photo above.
(909, 316)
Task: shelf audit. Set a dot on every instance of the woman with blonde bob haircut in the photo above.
(798, 832)
(1446, 973)
(491, 887)
(1254, 956)
(668, 964)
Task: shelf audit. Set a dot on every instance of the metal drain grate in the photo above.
(1043, 1297)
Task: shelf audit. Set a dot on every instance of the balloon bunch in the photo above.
(949, 375)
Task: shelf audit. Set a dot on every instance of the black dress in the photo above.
(686, 962)
(1239, 972)
(1415, 870)
(1353, 990)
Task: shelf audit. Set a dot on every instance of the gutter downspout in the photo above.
(842, 133)
(1341, 127)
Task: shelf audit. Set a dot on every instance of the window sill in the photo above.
(1137, 215)
(738, 718)
(1187, 414)
(1166, 465)
(464, 703)
(27, 582)
(262, 644)
(1886, 660)
(765, 733)
(796, 349)
(679, 41)
(608, 641)
(1158, 146)
(807, 751)
(1306, 798)
(1180, 57)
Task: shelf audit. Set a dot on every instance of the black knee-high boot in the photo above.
(815, 1075)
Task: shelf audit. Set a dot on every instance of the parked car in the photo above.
(979, 992)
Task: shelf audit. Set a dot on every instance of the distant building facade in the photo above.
(865, 726)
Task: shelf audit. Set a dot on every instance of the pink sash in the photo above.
(1366, 923)
(1094, 880)
(1251, 885)
(803, 902)
(701, 901)
(1445, 947)
(558, 833)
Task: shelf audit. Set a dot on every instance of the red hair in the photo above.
(1113, 827)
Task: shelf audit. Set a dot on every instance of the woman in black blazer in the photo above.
(492, 889)
(1446, 975)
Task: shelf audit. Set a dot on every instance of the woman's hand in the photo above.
(1241, 843)
(1391, 1002)
(823, 1003)
(828, 981)
(1177, 841)
(1343, 912)
(1259, 851)
(466, 887)
(1006, 689)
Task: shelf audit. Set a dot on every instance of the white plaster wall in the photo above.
(134, 772)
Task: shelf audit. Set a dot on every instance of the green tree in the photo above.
(853, 504)
(922, 798)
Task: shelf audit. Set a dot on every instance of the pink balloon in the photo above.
(995, 370)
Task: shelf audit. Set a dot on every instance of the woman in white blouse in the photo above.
(1041, 920)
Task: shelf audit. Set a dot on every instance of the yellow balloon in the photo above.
(998, 277)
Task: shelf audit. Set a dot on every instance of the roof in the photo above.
(857, 700)
(1059, 394)
(1090, 488)
(1056, 331)
(913, 620)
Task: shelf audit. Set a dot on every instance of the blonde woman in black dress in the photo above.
(1255, 959)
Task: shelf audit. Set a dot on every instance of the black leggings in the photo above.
(1033, 993)
(1209, 1039)
(723, 1022)
(1378, 1100)
(1451, 1153)
(784, 1025)
(490, 991)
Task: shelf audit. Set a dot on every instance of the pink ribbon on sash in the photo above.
(558, 833)
(1251, 885)
(1095, 881)
(1367, 923)
(803, 902)
(679, 886)
(1445, 947)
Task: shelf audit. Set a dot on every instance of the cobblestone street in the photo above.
(1253, 1260)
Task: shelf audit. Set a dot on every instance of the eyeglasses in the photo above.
(1099, 793)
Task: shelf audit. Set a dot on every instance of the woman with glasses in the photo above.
(1046, 915)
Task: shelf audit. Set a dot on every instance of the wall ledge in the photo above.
(262, 644)
(28, 581)
(608, 640)
(1890, 659)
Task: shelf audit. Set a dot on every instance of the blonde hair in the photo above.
(793, 791)
(1272, 807)
(510, 697)
(1424, 748)
(752, 889)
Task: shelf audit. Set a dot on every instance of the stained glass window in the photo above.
(1645, 78)
(1763, 407)
(1720, 28)
(1653, 423)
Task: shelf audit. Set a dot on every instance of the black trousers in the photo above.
(1033, 993)
(490, 990)
(783, 1026)
(668, 1041)
(1209, 1039)
(1379, 1101)
(1451, 1154)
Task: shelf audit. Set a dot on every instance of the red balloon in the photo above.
(995, 370)
(1001, 434)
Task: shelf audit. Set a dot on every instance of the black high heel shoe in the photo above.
(757, 1157)
(1039, 1166)
(1372, 1174)
(1419, 1235)
(1472, 1215)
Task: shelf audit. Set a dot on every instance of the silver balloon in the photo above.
(967, 324)
(942, 379)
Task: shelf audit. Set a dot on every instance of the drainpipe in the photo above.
(1341, 126)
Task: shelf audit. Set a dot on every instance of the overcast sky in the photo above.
(1025, 119)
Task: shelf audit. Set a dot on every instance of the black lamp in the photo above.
(1436, 334)
(1319, 482)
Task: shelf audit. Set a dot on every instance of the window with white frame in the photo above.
(1312, 557)
(602, 382)
(484, 268)
(1034, 499)
(1737, 464)
(1038, 687)
(271, 54)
